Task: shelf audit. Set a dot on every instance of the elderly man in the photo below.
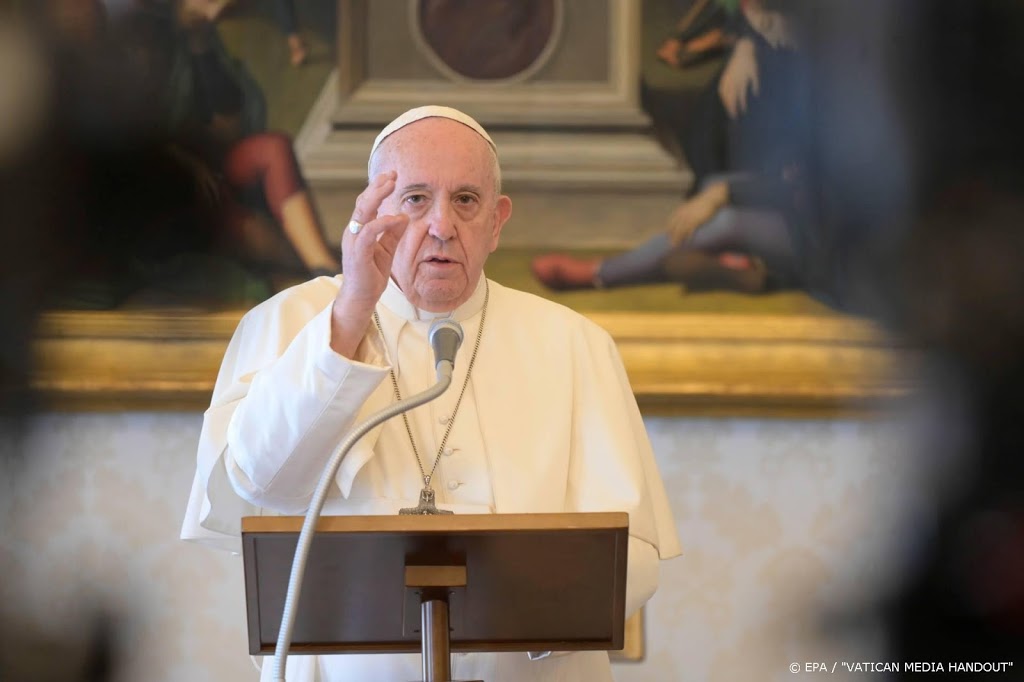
(540, 417)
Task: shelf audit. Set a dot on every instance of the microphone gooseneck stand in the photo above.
(444, 367)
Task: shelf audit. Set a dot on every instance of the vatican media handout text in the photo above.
(841, 667)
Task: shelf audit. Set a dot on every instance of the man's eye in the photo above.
(415, 199)
(465, 199)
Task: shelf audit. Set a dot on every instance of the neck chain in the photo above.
(426, 505)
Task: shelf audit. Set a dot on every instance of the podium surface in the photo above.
(514, 582)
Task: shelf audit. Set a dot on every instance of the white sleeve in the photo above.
(641, 574)
(612, 466)
(282, 401)
(296, 411)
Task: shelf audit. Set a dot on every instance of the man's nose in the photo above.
(442, 222)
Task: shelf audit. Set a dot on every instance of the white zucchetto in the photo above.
(429, 111)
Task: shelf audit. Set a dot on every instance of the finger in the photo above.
(369, 201)
(387, 244)
(386, 228)
(369, 259)
(755, 84)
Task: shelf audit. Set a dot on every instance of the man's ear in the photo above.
(502, 212)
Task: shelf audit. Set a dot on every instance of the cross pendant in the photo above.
(426, 505)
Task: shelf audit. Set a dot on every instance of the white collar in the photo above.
(394, 300)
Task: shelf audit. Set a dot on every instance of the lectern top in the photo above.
(449, 524)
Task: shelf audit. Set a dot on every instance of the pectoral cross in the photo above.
(426, 505)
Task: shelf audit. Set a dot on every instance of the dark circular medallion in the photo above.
(488, 39)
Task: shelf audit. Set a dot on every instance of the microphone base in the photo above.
(426, 505)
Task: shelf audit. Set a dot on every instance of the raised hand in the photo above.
(366, 264)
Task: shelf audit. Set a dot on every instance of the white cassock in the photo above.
(548, 424)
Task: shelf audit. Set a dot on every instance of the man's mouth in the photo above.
(439, 260)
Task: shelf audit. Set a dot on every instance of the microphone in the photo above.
(445, 337)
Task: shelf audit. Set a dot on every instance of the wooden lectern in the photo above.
(437, 584)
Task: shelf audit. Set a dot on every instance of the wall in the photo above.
(775, 516)
(782, 523)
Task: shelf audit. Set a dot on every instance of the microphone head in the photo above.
(445, 336)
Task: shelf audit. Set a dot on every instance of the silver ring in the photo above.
(354, 226)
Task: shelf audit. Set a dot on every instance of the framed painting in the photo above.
(575, 94)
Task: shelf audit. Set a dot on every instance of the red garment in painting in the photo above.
(267, 160)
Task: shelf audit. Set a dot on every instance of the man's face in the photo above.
(446, 186)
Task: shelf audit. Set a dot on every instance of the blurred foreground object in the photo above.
(34, 210)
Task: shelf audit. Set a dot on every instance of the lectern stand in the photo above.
(438, 584)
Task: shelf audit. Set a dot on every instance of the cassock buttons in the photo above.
(448, 452)
(443, 419)
(454, 485)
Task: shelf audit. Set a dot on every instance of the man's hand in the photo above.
(696, 211)
(366, 264)
(740, 75)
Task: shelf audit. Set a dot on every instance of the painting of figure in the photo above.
(186, 192)
(752, 221)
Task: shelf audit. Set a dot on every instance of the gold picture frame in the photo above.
(710, 364)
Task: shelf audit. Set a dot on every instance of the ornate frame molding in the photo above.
(678, 364)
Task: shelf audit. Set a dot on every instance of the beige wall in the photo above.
(773, 514)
